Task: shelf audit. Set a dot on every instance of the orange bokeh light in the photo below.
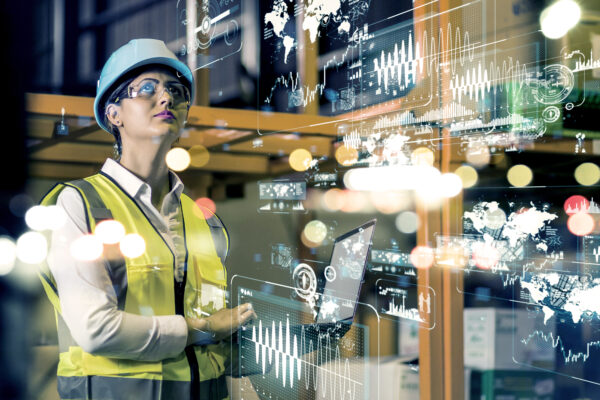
(206, 203)
(422, 257)
(485, 256)
(580, 224)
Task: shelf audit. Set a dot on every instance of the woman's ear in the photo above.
(112, 113)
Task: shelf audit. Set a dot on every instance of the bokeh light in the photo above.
(86, 248)
(346, 156)
(110, 231)
(575, 204)
(450, 185)
(207, 206)
(407, 222)
(32, 248)
(580, 224)
(468, 175)
(422, 156)
(178, 159)
(519, 175)
(354, 201)
(485, 255)
(422, 257)
(390, 202)
(451, 256)
(587, 174)
(35, 218)
(199, 156)
(333, 199)
(427, 182)
(494, 217)
(8, 255)
(307, 242)
(300, 159)
(315, 231)
(132, 245)
(478, 155)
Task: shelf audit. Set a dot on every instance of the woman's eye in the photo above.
(176, 90)
(147, 87)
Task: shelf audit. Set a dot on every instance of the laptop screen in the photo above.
(345, 273)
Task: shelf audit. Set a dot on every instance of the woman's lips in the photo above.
(165, 115)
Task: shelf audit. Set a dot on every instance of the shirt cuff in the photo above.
(173, 334)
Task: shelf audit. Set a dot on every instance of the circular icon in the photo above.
(205, 26)
(233, 32)
(569, 106)
(305, 281)
(554, 84)
(330, 273)
(551, 114)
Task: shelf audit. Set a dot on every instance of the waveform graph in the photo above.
(285, 354)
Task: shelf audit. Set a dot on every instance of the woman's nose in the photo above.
(166, 96)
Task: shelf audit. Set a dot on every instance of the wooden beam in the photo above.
(199, 116)
(61, 171)
(97, 154)
(223, 162)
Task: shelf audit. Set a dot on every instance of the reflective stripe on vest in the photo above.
(147, 287)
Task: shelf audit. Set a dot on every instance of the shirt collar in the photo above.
(133, 185)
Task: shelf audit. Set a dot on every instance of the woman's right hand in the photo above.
(228, 320)
(224, 322)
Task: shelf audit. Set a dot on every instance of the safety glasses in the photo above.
(149, 88)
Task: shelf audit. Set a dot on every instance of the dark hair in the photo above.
(114, 98)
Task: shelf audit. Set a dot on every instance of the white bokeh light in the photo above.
(86, 248)
(132, 245)
(407, 222)
(178, 159)
(110, 231)
(35, 218)
(557, 19)
(8, 255)
(32, 248)
(450, 185)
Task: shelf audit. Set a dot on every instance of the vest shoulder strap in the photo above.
(98, 209)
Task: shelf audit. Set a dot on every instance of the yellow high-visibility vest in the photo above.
(147, 286)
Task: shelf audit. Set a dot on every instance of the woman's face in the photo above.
(154, 113)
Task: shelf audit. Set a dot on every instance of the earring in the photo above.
(116, 151)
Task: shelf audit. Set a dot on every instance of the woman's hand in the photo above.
(222, 323)
(228, 320)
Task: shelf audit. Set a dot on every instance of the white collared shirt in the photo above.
(87, 298)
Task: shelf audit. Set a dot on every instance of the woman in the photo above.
(146, 326)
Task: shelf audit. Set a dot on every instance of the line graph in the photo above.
(569, 355)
